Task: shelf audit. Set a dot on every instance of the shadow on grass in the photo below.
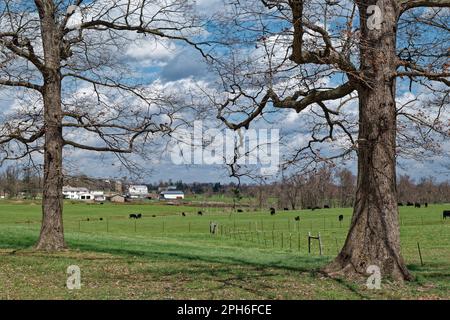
(265, 262)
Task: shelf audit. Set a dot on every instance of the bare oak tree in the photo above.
(318, 57)
(50, 58)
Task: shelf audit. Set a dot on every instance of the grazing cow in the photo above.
(326, 207)
(272, 211)
(200, 213)
(101, 219)
(297, 218)
(409, 204)
(240, 210)
(341, 217)
(133, 216)
(286, 209)
(446, 214)
(139, 215)
(400, 204)
(416, 205)
(183, 214)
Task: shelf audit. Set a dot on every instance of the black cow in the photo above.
(400, 204)
(183, 214)
(308, 207)
(240, 210)
(101, 219)
(133, 216)
(272, 211)
(409, 204)
(446, 214)
(297, 218)
(139, 215)
(326, 207)
(286, 209)
(426, 204)
(154, 216)
(341, 217)
(200, 213)
(416, 205)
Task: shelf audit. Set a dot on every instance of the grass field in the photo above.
(167, 256)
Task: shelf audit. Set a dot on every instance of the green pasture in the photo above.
(165, 255)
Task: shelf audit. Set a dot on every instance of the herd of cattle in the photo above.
(445, 214)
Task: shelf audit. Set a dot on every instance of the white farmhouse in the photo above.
(137, 191)
(98, 195)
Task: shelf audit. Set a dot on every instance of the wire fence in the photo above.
(272, 233)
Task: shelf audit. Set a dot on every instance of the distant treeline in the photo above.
(327, 186)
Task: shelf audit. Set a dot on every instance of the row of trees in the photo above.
(16, 182)
(326, 186)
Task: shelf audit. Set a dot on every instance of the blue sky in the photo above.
(174, 66)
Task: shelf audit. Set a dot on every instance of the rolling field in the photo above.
(167, 256)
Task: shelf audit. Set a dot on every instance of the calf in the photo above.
(297, 218)
(139, 215)
(341, 217)
(416, 205)
(272, 211)
(200, 213)
(446, 214)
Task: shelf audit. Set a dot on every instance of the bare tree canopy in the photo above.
(350, 64)
(76, 87)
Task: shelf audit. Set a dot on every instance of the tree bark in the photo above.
(52, 232)
(374, 236)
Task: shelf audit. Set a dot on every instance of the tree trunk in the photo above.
(52, 232)
(374, 235)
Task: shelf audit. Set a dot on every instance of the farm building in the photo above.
(171, 195)
(137, 192)
(82, 194)
(117, 199)
(73, 193)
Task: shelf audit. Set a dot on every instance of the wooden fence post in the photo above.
(420, 254)
(320, 245)
(309, 242)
